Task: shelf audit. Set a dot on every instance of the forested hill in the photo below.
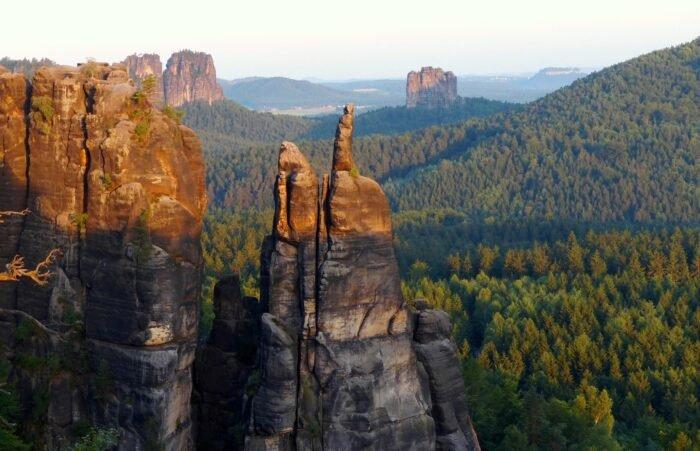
(239, 123)
(241, 145)
(620, 144)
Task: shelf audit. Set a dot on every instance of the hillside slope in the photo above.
(262, 93)
(620, 144)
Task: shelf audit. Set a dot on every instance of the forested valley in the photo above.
(563, 238)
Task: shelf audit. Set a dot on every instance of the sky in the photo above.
(348, 39)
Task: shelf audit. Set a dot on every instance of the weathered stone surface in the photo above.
(125, 208)
(190, 76)
(141, 66)
(431, 88)
(438, 354)
(224, 366)
(274, 406)
(339, 334)
(13, 169)
(342, 147)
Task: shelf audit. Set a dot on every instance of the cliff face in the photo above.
(119, 188)
(338, 361)
(191, 76)
(142, 66)
(431, 88)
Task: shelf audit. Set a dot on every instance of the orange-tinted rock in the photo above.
(191, 76)
(119, 188)
(13, 170)
(346, 321)
(145, 65)
(430, 88)
(342, 147)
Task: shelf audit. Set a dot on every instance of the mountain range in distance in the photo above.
(308, 98)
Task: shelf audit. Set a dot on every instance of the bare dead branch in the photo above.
(41, 274)
(4, 214)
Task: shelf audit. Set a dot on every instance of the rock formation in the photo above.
(145, 65)
(190, 76)
(438, 354)
(225, 368)
(338, 364)
(119, 188)
(430, 88)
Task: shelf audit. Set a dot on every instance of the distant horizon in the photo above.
(365, 39)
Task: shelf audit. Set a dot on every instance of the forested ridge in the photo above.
(241, 145)
(562, 237)
(620, 144)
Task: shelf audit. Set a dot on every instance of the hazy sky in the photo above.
(352, 38)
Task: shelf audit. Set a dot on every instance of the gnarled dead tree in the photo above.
(16, 268)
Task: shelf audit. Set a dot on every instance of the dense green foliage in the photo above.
(397, 120)
(10, 413)
(562, 239)
(587, 343)
(241, 145)
(233, 121)
(621, 144)
(618, 145)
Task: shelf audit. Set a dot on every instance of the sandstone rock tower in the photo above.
(119, 188)
(338, 362)
(145, 65)
(430, 88)
(190, 76)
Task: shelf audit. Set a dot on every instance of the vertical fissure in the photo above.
(82, 230)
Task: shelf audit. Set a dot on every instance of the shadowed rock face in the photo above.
(431, 88)
(142, 66)
(223, 367)
(438, 354)
(119, 188)
(191, 76)
(338, 364)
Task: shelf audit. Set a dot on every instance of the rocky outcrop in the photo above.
(225, 369)
(190, 76)
(430, 88)
(338, 362)
(118, 187)
(438, 355)
(147, 65)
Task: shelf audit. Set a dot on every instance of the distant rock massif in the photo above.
(189, 76)
(430, 88)
(343, 362)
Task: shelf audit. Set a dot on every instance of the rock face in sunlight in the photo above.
(431, 88)
(145, 65)
(191, 76)
(118, 187)
(338, 361)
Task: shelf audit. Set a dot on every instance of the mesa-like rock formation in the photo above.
(430, 88)
(338, 363)
(190, 76)
(118, 187)
(147, 65)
